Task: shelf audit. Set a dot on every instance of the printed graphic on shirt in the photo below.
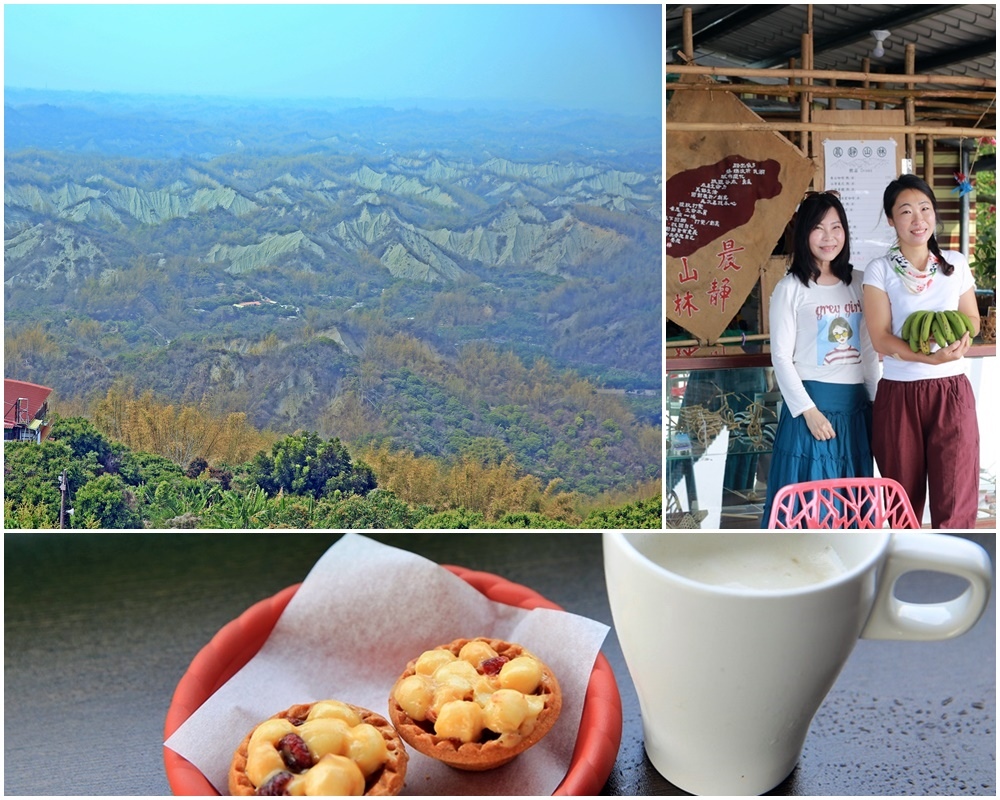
(838, 337)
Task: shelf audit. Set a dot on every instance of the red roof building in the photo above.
(25, 411)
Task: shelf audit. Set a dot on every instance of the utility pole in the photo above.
(62, 500)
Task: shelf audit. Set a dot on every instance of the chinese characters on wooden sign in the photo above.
(729, 194)
(706, 202)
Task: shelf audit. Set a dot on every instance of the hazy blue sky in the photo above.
(605, 57)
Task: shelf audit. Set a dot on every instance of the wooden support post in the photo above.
(910, 57)
(805, 99)
(687, 34)
(800, 139)
(866, 66)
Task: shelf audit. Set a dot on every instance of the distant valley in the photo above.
(260, 258)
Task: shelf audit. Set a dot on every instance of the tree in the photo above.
(984, 256)
(28, 516)
(459, 519)
(527, 519)
(153, 469)
(642, 514)
(32, 474)
(379, 509)
(106, 502)
(304, 464)
(82, 437)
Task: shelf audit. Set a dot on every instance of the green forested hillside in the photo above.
(401, 391)
(81, 478)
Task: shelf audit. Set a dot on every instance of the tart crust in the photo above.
(384, 782)
(477, 756)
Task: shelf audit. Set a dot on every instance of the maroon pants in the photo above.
(925, 435)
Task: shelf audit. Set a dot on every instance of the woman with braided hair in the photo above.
(926, 435)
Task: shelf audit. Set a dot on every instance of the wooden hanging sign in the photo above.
(729, 195)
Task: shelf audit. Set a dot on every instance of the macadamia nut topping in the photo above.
(332, 752)
(475, 691)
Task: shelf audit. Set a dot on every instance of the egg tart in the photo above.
(475, 704)
(322, 748)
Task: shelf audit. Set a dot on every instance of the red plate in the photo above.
(233, 646)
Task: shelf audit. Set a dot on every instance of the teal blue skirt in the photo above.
(798, 456)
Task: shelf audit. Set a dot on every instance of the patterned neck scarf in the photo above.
(915, 281)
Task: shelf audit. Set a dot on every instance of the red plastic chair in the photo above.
(843, 503)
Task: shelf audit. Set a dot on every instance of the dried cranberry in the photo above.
(294, 752)
(492, 666)
(276, 785)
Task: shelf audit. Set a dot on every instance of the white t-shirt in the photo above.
(818, 334)
(942, 294)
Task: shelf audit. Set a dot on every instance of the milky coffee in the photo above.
(783, 562)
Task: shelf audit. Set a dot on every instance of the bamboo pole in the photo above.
(959, 109)
(748, 72)
(752, 337)
(805, 102)
(841, 92)
(791, 83)
(909, 108)
(829, 127)
(866, 66)
(928, 160)
(687, 33)
(798, 142)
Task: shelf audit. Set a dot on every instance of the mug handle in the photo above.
(891, 618)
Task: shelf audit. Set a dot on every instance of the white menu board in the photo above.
(859, 170)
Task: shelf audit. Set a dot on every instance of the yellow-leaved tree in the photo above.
(182, 433)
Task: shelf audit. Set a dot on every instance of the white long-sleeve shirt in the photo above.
(818, 334)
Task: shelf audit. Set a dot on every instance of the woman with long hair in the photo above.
(823, 360)
(926, 432)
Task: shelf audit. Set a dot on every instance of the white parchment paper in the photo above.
(362, 613)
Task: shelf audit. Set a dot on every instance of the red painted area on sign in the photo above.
(707, 202)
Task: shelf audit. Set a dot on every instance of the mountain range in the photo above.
(516, 215)
(193, 235)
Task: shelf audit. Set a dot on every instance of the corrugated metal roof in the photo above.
(13, 391)
(949, 39)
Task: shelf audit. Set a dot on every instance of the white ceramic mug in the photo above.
(734, 639)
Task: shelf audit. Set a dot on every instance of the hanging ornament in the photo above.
(965, 184)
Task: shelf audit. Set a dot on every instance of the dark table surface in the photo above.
(100, 627)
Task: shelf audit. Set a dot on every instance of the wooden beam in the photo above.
(842, 92)
(745, 72)
(902, 130)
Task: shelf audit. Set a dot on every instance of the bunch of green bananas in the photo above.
(944, 327)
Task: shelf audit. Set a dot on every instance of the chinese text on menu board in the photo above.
(859, 171)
